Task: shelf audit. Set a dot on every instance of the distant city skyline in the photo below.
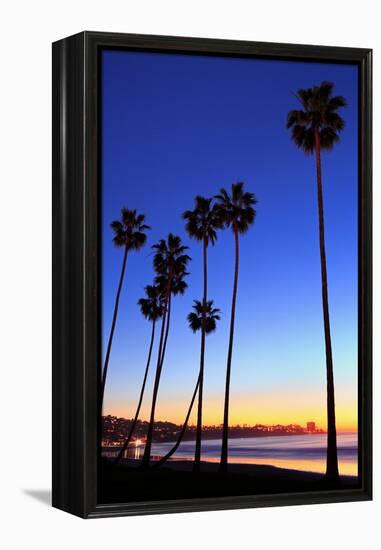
(174, 126)
(310, 425)
(114, 431)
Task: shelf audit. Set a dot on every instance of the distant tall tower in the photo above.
(311, 426)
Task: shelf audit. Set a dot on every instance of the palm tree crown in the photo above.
(178, 285)
(319, 114)
(236, 210)
(152, 307)
(170, 259)
(129, 231)
(203, 220)
(209, 317)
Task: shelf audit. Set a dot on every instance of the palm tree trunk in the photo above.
(183, 429)
(224, 448)
(197, 454)
(132, 428)
(166, 331)
(332, 470)
(107, 358)
(159, 365)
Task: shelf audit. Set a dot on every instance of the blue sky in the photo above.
(178, 125)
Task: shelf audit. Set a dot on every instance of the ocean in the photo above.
(298, 452)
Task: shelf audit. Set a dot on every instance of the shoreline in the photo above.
(264, 470)
(209, 437)
(213, 437)
(307, 454)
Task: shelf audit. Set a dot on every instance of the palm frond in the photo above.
(199, 318)
(334, 120)
(328, 138)
(152, 307)
(324, 91)
(304, 138)
(194, 322)
(336, 102)
(296, 117)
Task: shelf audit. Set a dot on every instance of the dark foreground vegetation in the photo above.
(176, 480)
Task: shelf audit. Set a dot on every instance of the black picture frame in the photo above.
(76, 271)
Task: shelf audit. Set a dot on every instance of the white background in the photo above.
(27, 30)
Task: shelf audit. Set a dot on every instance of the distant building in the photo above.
(311, 427)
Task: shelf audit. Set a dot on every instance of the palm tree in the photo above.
(201, 224)
(129, 233)
(170, 262)
(152, 308)
(316, 127)
(236, 211)
(195, 323)
(203, 318)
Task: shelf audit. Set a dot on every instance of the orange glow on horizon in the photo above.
(272, 409)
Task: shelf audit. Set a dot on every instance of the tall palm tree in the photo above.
(195, 323)
(237, 212)
(170, 262)
(314, 128)
(129, 234)
(152, 308)
(203, 318)
(201, 224)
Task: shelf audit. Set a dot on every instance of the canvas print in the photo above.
(229, 207)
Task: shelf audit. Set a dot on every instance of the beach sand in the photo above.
(175, 480)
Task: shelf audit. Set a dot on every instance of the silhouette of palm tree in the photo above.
(195, 320)
(152, 308)
(129, 233)
(316, 127)
(201, 224)
(170, 262)
(203, 318)
(236, 211)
